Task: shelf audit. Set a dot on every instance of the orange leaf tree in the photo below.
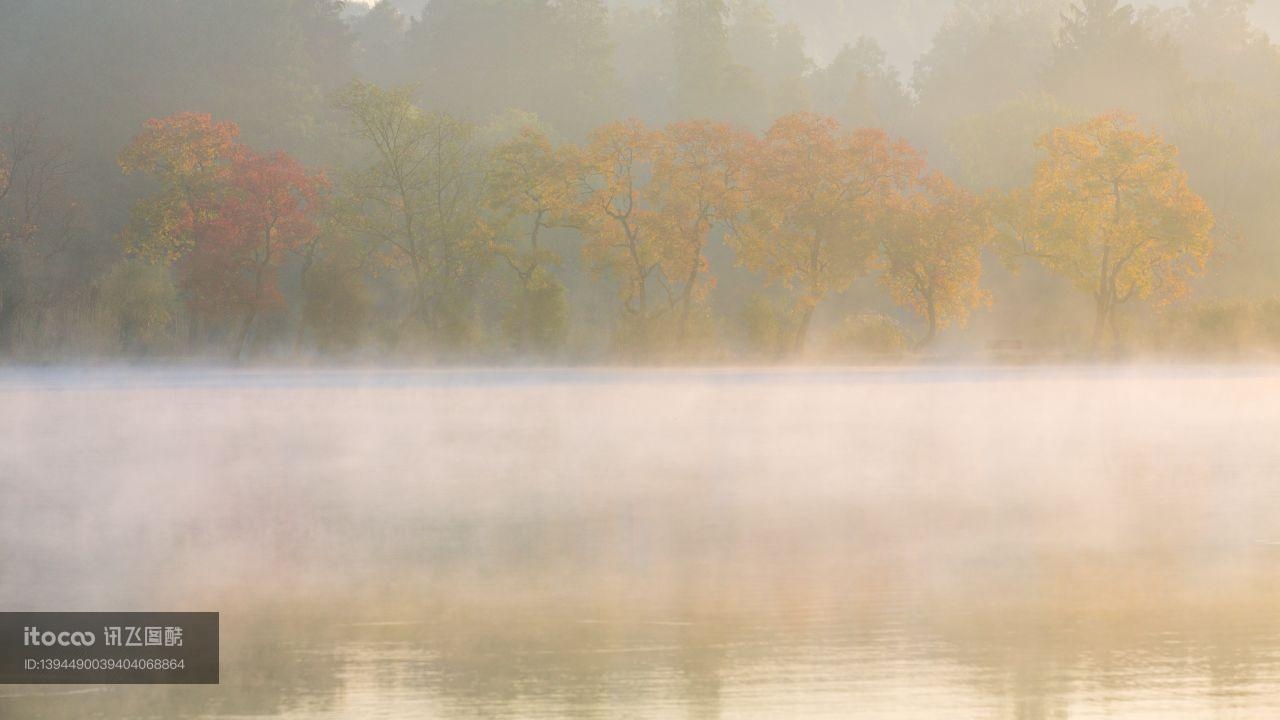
(816, 197)
(697, 183)
(270, 208)
(614, 216)
(1111, 210)
(647, 204)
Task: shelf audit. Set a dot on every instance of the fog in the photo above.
(671, 359)
(665, 543)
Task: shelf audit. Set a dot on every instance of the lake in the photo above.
(886, 543)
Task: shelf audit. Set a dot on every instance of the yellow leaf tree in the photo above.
(931, 252)
(530, 189)
(190, 156)
(1111, 210)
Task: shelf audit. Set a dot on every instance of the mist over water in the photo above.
(998, 543)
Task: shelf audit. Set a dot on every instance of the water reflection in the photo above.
(1016, 545)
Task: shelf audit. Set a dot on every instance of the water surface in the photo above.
(959, 543)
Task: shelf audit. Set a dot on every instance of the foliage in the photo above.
(337, 307)
(419, 205)
(697, 183)
(817, 196)
(869, 336)
(225, 215)
(1112, 211)
(552, 58)
(43, 253)
(536, 320)
(491, 218)
(932, 241)
(619, 226)
(997, 150)
(530, 188)
(1218, 329)
(190, 156)
(142, 302)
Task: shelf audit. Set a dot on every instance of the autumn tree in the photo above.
(224, 215)
(420, 201)
(931, 252)
(269, 210)
(697, 183)
(1111, 210)
(530, 190)
(189, 156)
(815, 199)
(617, 222)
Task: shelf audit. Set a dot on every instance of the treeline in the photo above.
(406, 245)
(569, 181)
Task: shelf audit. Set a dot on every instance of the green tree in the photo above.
(420, 200)
(531, 190)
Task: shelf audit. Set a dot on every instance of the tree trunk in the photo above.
(193, 330)
(243, 334)
(1101, 320)
(931, 312)
(802, 330)
(1116, 337)
(686, 302)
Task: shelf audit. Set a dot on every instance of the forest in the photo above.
(686, 181)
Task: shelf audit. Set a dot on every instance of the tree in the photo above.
(419, 202)
(224, 215)
(1107, 56)
(38, 224)
(988, 52)
(550, 57)
(620, 227)
(860, 88)
(190, 156)
(697, 183)
(700, 39)
(380, 39)
(816, 196)
(530, 188)
(931, 250)
(997, 150)
(767, 76)
(270, 209)
(1111, 210)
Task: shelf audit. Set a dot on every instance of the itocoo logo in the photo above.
(33, 636)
